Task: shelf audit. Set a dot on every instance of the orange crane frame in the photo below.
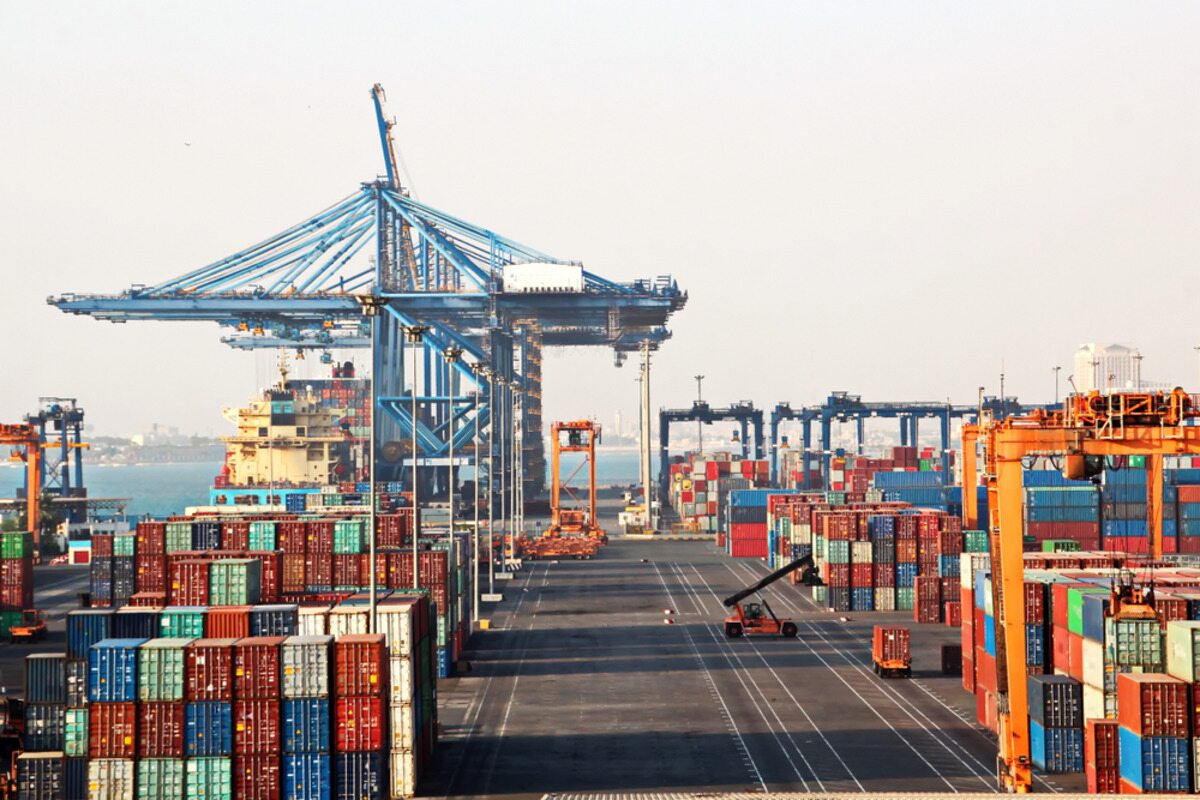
(26, 435)
(559, 525)
(1152, 424)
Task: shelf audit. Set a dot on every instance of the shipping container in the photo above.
(209, 778)
(258, 777)
(161, 730)
(306, 666)
(360, 724)
(161, 670)
(45, 726)
(86, 627)
(1155, 763)
(46, 678)
(307, 725)
(112, 670)
(360, 776)
(1055, 701)
(208, 671)
(1154, 705)
(161, 778)
(306, 776)
(111, 779)
(359, 667)
(256, 727)
(208, 728)
(257, 667)
(112, 730)
(40, 776)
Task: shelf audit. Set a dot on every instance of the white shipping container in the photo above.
(314, 621)
(860, 552)
(306, 664)
(403, 772)
(400, 676)
(395, 619)
(1093, 667)
(1093, 702)
(404, 727)
(969, 564)
(541, 277)
(345, 620)
(1183, 650)
(885, 599)
(111, 779)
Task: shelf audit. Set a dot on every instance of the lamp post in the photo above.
(415, 335)
(491, 376)
(1137, 369)
(479, 370)
(1056, 371)
(699, 423)
(452, 355)
(371, 306)
(502, 427)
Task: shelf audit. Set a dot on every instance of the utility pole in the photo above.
(700, 423)
(1137, 370)
(1096, 373)
(644, 453)
(371, 306)
(1056, 371)
(1003, 409)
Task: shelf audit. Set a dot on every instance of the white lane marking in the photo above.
(869, 706)
(786, 690)
(972, 724)
(725, 646)
(730, 724)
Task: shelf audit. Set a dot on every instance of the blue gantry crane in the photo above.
(743, 413)
(447, 283)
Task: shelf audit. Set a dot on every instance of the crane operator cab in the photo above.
(752, 611)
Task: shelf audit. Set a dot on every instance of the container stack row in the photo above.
(16, 577)
(349, 717)
(700, 486)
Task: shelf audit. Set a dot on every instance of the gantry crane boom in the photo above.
(1086, 429)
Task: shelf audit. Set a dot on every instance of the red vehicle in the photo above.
(890, 651)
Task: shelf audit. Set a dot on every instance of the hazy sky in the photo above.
(889, 198)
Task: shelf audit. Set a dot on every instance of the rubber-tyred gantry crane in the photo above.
(26, 436)
(581, 436)
(1087, 429)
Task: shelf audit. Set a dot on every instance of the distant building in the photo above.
(1105, 367)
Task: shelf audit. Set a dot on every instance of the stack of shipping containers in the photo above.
(16, 577)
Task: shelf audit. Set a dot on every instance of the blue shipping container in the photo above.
(1095, 606)
(85, 627)
(1035, 645)
(1056, 749)
(206, 536)
(46, 678)
(112, 671)
(274, 620)
(208, 728)
(306, 725)
(948, 566)
(306, 776)
(45, 727)
(989, 635)
(135, 623)
(1155, 763)
(360, 776)
(862, 599)
(906, 575)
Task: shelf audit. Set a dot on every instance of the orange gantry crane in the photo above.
(574, 530)
(26, 436)
(1087, 430)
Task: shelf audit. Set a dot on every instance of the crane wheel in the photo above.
(733, 630)
(789, 630)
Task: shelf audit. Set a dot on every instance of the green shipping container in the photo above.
(839, 551)
(1060, 546)
(16, 545)
(1183, 650)
(209, 779)
(179, 536)
(924, 465)
(905, 597)
(160, 670)
(1075, 606)
(1135, 643)
(262, 535)
(7, 620)
(125, 544)
(161, 779)
(1137, 462)
(235, 582)
(975, 541)
(75, 741)
(182, 622)
(348, 537)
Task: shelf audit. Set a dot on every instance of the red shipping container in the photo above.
(292, 575)
(16, 583)
(256, 727)
(257, 667)
(235, 535)
(740, 548)
(861, 575)
(884, 575)
(151, 539)
(952, 613)
(1153, 705)
(1195, 690)
(1102, 780)
(968, 672)
(318, 569)
(160, 730)
(1075, 656)
(1170, 608)
(148, 599)
(189, 582)
(112, 730)
(359, 725)
(360, 665)
(1035, 602)
(320, 536)
(906, 551)
(978, 627)
(347, 570)
(950, 542)
(1188, 494)
(985, 670)
(1061, 649)
(257, 777)
(272, 573)
(208, 670)
(1101, 743)
(1058, 604)
(102, 544)
(927, 599)
(151, 573)
(291, 536)
(227, 622)
(839, 575)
